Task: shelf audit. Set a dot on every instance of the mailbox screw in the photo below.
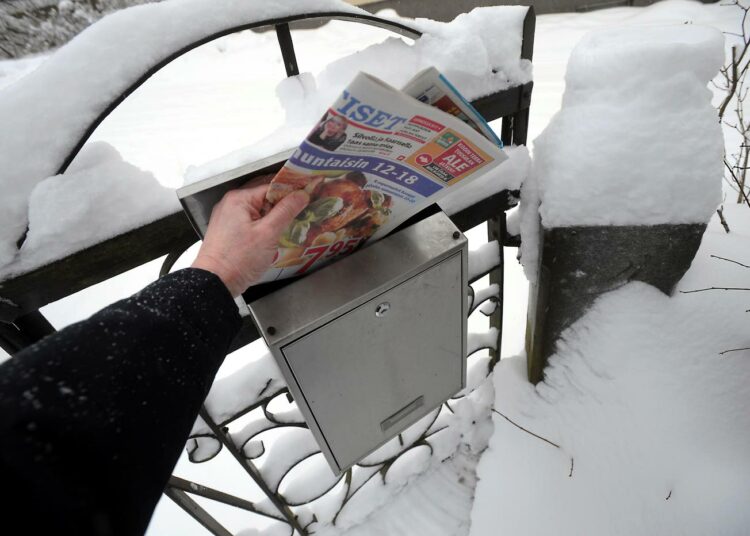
(271, 330)
(456, 235)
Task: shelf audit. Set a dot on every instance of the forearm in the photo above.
(99, 412)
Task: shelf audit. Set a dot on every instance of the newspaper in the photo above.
(377, 157)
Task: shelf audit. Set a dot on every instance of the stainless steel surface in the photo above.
(375, 341)
(326, 294)
(198, 199)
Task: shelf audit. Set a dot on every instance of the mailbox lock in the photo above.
(382, 309)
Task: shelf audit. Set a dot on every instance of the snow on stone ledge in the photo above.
(636, 141)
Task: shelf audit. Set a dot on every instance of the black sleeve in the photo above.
(94, 418)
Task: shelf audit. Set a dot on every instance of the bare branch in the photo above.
(733, 350)
(732, 87)
(712, 288)
(730, 260)
(736, 180)
(722, 220)
(525, 430)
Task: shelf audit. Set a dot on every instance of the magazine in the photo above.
(377, 157)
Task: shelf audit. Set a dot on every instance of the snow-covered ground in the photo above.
(649, 416)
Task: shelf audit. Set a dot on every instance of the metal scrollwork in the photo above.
(291, 470)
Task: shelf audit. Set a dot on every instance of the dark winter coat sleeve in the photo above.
(94, 418)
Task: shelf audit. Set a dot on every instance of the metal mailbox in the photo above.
(374, 342)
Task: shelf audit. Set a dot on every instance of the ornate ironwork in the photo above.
(294, 449)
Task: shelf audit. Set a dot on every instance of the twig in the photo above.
(720, 212)
(733, 349)
(730, 260)
(732, 87)
(712, 288)
(571, 468)
(668, 496)
(525, 430)
(736, 180)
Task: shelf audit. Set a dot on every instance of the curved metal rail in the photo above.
(285, 43)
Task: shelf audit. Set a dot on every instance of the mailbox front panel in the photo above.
(372, 372)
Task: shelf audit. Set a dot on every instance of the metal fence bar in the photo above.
(252, 471)
(182, 500)
(218, 496)
(372, 20)
(287, 49)
(514, 131)
(24, 331)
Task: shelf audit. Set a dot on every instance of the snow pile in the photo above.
(403, 494)
(526, 219)
(648, 405)
(479, 52)
(96, 199)
(637, 141)
(45, 113)
(484, 258)
(257, 379)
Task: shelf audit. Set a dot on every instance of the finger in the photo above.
(282, 214)
(259, 180)
(253, 196)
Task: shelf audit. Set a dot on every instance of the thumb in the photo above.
(282, 214)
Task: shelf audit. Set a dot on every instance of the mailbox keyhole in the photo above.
(382, 309)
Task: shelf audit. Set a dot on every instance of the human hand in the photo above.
(240, 243)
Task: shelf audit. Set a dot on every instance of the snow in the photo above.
(641, 397)
(485, 293)
(529, 224)
(77, 83)
(403, 442)
(257, 379)
(641, 402)
(413, 508)
(478, 340)
(308, 480)
(483, 259)
(96, 199)
(637, 141)
(403, 501)
(293, 446)
(478, 52)
(649, 415)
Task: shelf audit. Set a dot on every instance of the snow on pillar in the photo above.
(625, 177)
